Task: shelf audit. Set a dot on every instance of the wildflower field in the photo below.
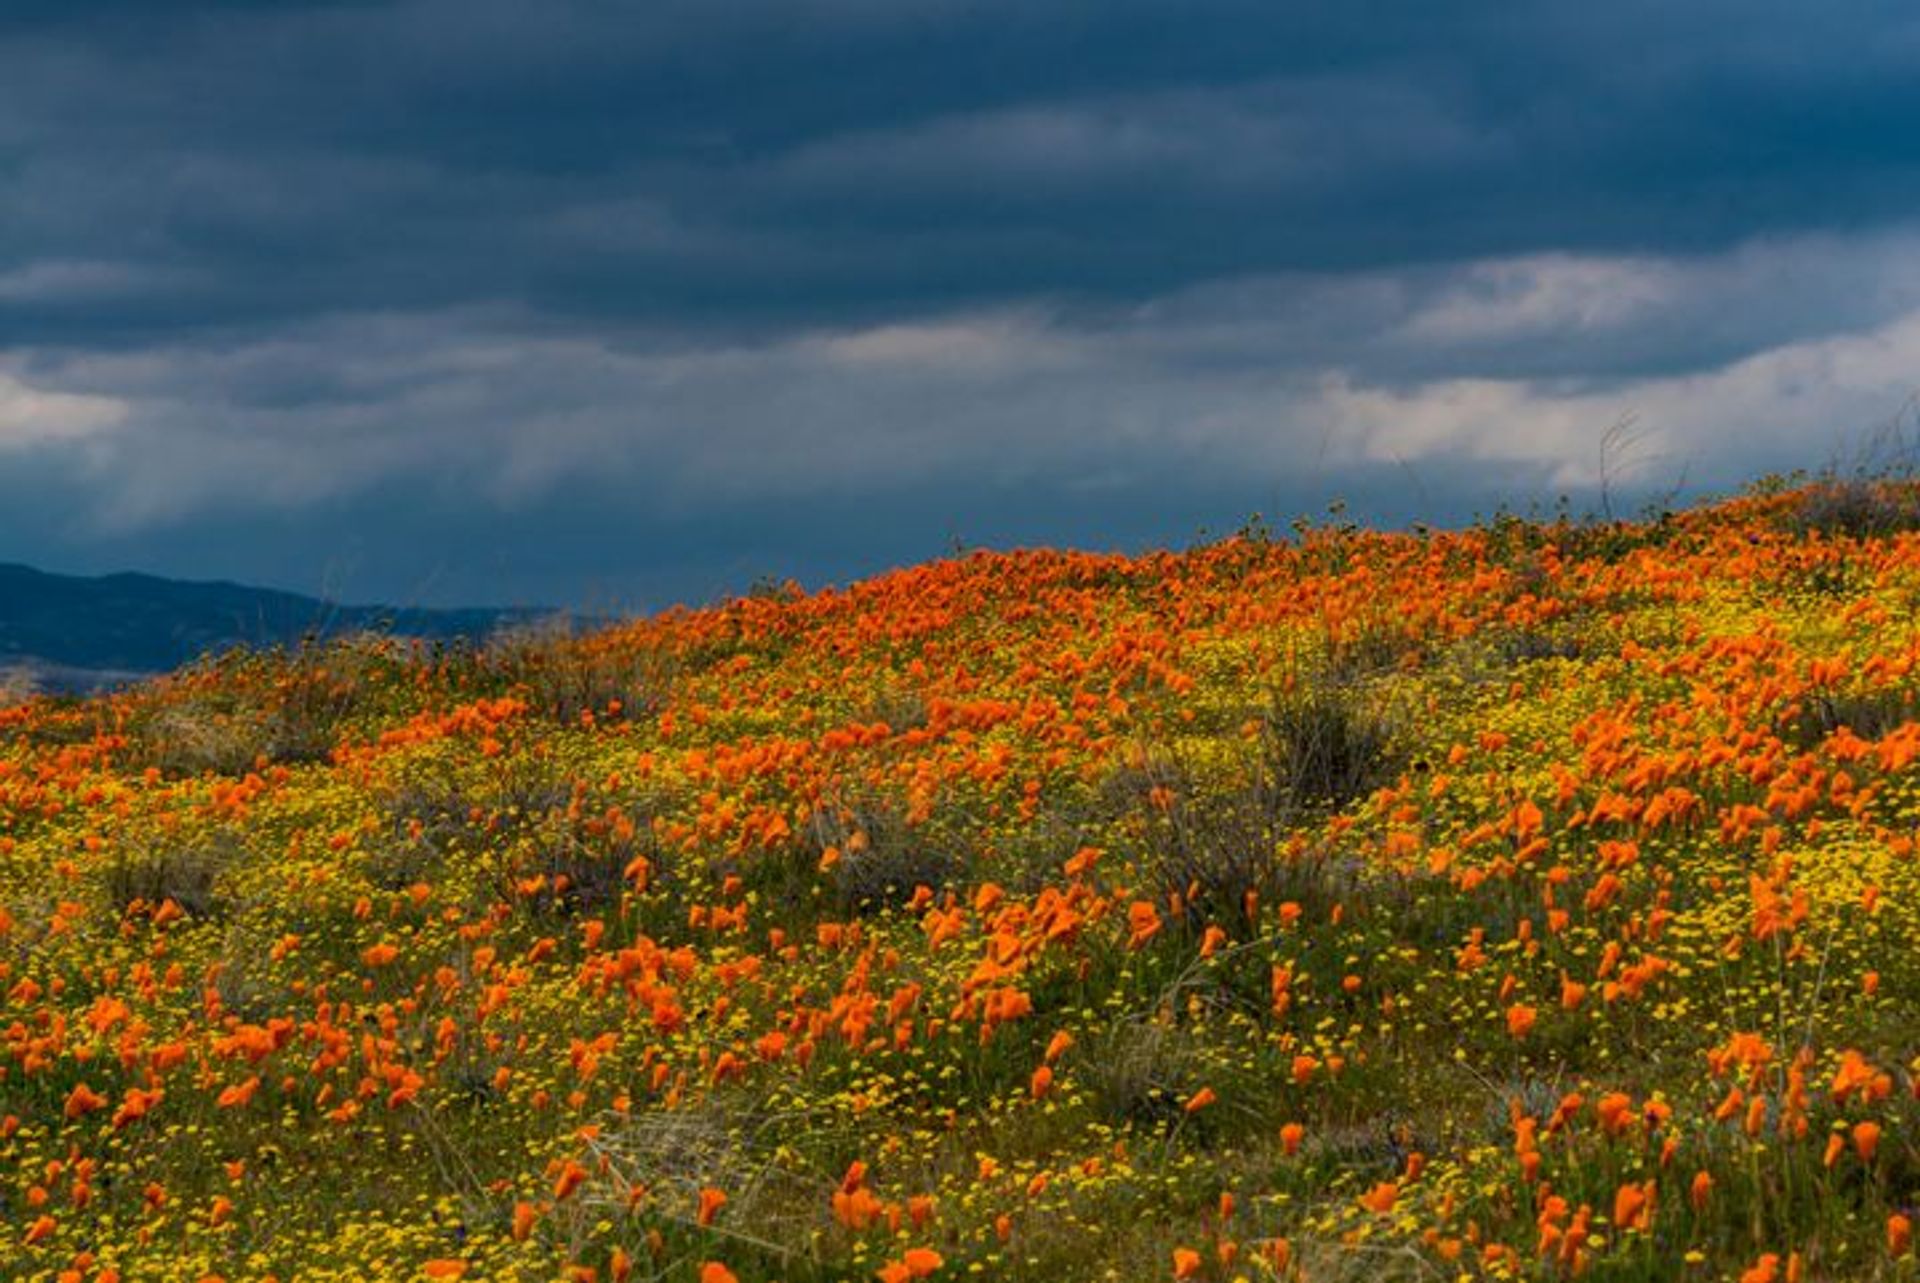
(1530, 901)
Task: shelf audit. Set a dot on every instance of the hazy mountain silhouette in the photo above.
(71, 631)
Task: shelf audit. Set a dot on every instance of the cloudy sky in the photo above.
(615, 304)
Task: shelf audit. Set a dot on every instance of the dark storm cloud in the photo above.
(794, 162)
(742, 270)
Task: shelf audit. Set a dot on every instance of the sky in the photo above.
(613, 305)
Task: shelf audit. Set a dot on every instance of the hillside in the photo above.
(76, 632)
(1517, 902)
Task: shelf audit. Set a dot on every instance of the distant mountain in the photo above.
(70, 632)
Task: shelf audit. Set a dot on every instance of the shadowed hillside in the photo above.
(75, 632)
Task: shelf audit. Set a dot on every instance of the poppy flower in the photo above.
(1042, 1082)
(1381, 1198)
(82, 1100)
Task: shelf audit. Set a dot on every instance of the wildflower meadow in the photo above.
(1537, 900)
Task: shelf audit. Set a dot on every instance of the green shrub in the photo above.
(883, 858)
(1855, 507)
(146, 873)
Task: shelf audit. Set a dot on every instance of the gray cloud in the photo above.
(734, 270)
(1493, 361)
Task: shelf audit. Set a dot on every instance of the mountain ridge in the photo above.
(78, 632)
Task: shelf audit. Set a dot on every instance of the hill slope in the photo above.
(1517, 902)
(77, 630)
